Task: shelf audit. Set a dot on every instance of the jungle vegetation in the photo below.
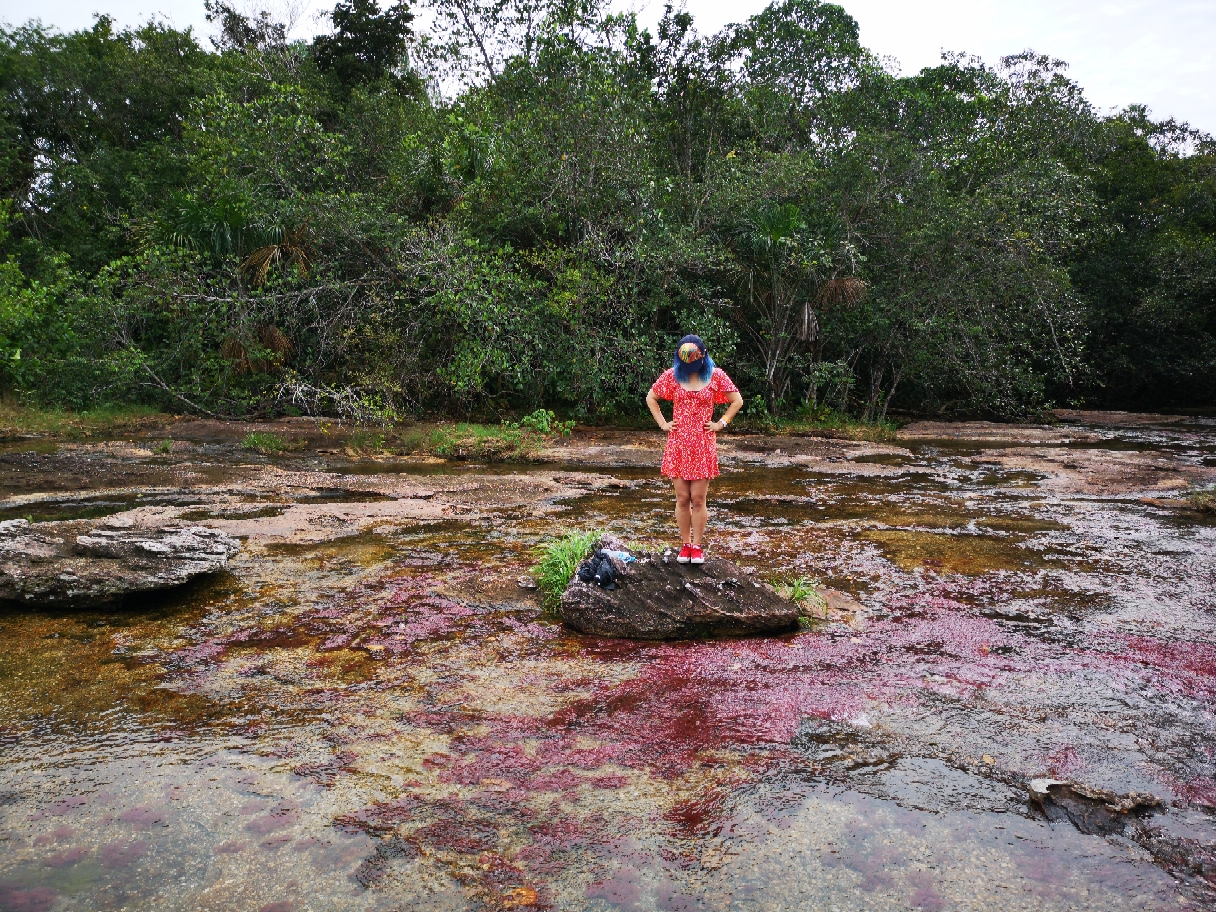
(525, 203)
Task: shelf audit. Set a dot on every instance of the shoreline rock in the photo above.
(81, 563)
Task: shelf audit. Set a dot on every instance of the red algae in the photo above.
(1183, 667)
(63, 832)
(420, 736)
(16, 898)
(145, 817)
(271, 823)
(122, 854)
(66, 857)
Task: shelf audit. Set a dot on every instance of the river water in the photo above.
(378, 723)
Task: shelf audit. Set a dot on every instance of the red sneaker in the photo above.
(696, 555)
(685, 554)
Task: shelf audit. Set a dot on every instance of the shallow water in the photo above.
(378, 722)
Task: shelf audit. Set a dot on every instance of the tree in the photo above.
(366, 44)
(569, 196)
(92, 123)
(238, 32)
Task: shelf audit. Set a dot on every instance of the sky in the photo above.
(1161, 53)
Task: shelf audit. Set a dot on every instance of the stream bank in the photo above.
(367, 712)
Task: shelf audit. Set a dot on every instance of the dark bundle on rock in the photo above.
(656, 598)
(601, 568)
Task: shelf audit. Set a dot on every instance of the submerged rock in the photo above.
(1095, 812)
(656, 598)
(86, 562)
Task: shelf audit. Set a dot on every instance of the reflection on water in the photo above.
(386, 722)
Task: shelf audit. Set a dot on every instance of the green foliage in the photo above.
(797, 590)
(23, 421)
(366, 43)
(558, 559)
(481, 441)
(267, 443)
(367, 440)
(91, 135)
(544, 421)
(239, 32)
(280, 226)
(1203, 499)
(800, 590)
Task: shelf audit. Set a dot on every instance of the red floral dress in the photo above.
(692, 451)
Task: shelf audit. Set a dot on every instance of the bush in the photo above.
(1203, 500)
(543, 421)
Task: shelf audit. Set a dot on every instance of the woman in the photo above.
(695, 386)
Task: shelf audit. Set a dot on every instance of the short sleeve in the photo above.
(723, 386)
(665, 387)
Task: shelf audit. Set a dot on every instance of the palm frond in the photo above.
(845, 290)
(289, 250)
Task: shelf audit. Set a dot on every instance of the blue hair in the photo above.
(703, 368)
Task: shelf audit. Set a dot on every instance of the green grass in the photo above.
(164, 448)
(802, 592)
(18, 421)
(543, 421)
(489, 442)
(559, 558)
(831, 424)
(366, 440)
(267, 443)
(1203, 500)
(796, 590)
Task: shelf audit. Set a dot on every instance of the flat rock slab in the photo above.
(658, 599)
(88, 562)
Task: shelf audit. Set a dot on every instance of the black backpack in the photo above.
(598, 569)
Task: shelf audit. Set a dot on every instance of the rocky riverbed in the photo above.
(1005, 702)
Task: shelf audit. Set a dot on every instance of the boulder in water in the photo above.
(657, 598)
(87, 562)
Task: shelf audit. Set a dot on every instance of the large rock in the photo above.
(660, 599)
(86, 562)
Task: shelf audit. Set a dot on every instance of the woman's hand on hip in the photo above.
(667, 425)
(715, 425)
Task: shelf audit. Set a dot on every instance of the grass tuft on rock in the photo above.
(559, 558)
(266, 442)
(1203, 500)
(803, 593)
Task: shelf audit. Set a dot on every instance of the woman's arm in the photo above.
(652, 403)
(733, 404)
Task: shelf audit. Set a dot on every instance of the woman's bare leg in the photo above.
(684, 508)
(698, 491)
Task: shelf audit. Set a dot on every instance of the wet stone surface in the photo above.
(84, 562)
(656, 598)
(367, 711)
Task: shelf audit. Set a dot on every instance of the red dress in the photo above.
(692, 451)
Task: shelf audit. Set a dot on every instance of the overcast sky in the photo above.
(1156, 52)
